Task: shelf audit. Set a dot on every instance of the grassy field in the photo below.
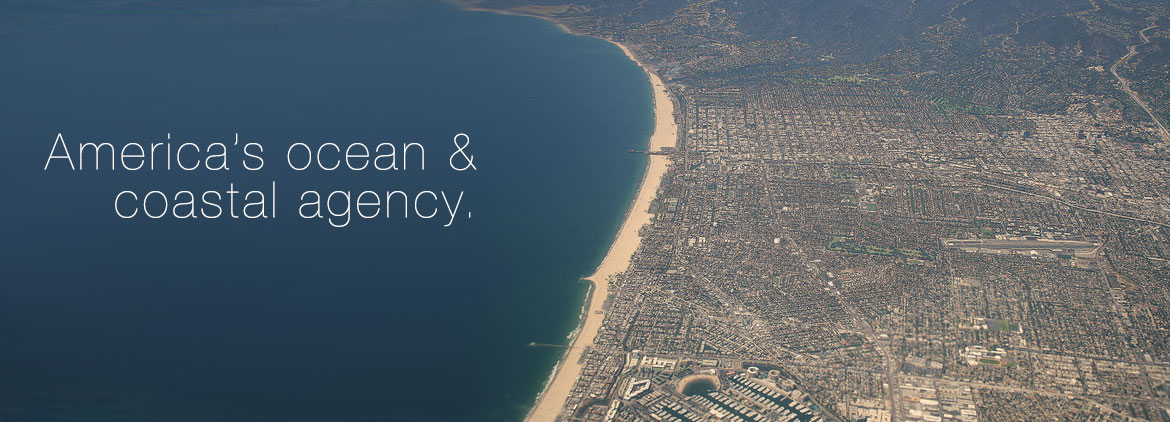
(1002, 325)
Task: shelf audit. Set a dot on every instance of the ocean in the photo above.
(291, 319)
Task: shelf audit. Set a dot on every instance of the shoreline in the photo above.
(617, 259)
(552, 399)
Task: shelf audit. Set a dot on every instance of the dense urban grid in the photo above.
(923, 211)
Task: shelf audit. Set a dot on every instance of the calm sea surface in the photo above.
(105, 319)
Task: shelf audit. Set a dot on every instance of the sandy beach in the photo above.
(617, 260)
(620, 252)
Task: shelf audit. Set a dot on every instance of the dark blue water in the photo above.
(285, 319)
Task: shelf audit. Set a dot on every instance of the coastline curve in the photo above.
(621, 251)
(551, 400)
